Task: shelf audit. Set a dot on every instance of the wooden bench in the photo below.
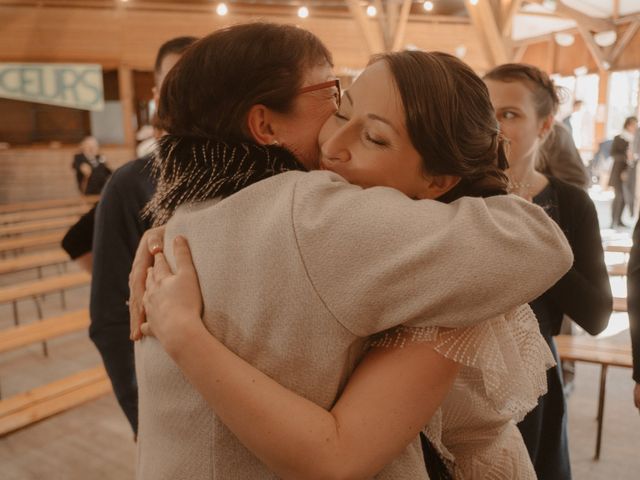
(619, 304)
(39, 403)
(23, 335)
(44, 204)
(38, 226)
(32, 215)
(31, 241)
(617, 248)
(617, 270)
(35, 288)
(35, 260)
(591, 350)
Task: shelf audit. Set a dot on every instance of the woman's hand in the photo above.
(150, 244)
(172, 302)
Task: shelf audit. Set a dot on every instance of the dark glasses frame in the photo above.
(320, 86)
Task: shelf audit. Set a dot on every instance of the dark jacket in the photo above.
(633, 300)
(118, 229)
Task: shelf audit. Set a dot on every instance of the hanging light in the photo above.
(564, 39)
(461, 51)
(606, 38)
(372, 11)
(303, 12)
(580, 71)
(428, 6)
(473, 2)
(222, 9)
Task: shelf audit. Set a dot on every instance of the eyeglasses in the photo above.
(320, 86)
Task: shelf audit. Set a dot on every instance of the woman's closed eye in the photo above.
(376, 140)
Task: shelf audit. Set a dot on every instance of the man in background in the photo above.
(91, 171)
(118, 229)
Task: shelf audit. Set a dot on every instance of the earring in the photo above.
(275, 142)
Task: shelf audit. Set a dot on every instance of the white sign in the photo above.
(68, 85)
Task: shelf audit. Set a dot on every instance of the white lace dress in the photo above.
(504, 363)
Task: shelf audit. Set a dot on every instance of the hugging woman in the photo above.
(327, 314)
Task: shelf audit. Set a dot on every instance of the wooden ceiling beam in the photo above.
(594, 49)
(372, 35)
(401, 26)
(623, 41)
(483, 18)
(588, 22)
(508, 12)
(383, 23)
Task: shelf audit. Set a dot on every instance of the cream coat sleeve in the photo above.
(378, 259)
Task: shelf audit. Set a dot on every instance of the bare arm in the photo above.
(392, 394)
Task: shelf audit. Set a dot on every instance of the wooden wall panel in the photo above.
(536, 54)
(446, 38)
(43, 173)
(26, 122)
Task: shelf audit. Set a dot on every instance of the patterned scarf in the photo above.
(194, 169)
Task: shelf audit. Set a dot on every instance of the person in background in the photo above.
(558, 157)
(633, 308)
(566, 121)
(91, 170)
(118, 228)
(620, 170)
(526, 101)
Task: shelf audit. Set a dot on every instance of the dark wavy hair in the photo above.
(211, 89)
(450, 121)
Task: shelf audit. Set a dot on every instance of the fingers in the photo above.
(145, 330)
(155, 240)
(137, 278)
(182, 252)
(161, 268)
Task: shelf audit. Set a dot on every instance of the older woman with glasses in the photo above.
(319, 347)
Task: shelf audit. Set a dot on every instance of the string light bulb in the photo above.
(222, 9)
(372, 11)
(428, 6)
(303, 12)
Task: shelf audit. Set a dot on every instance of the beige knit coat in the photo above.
(298, 270)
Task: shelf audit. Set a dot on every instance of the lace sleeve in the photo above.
(507, 352)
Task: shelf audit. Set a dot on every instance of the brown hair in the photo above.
(212, 87)
(450, 121)
(545, 94)
(176, 46)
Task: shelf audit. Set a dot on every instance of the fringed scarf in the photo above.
(192, 169)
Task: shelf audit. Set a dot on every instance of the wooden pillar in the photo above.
(125, 84)
(601, 114)
(551, 55)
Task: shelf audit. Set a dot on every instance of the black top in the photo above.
(584, 293)
(99, 173)
(118, 230)
(633, 300)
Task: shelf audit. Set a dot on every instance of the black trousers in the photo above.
(618, 204)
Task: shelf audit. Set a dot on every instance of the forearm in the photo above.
(293, 436)
(389, 398)
(588, 302)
